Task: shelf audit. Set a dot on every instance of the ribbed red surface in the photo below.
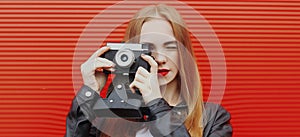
(260, 40)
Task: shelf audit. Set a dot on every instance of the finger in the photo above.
(134, 85)
(98, 65)
(140, 78)
(105, 61)
(142, 71)
(152, 63)
(100, 51)
(110, 69)
(106, 68)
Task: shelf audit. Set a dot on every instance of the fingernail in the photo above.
(143, 54)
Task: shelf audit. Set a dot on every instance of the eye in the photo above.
(171, 46)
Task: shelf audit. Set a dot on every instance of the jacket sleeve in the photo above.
(78, 119)
(165, 120)
(218, 123)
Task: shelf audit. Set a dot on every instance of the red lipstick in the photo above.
(163, 72)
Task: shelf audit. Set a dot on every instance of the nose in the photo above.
(159, 58)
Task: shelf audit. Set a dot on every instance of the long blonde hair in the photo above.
(190, 85)
(189, 79)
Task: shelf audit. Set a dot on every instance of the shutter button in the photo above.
(88, 94)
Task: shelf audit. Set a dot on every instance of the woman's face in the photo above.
(159, 34)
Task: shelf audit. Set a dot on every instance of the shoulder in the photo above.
(212, 110)
(216, 120)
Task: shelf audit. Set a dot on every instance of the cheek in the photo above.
(173, 60)
(173, 57)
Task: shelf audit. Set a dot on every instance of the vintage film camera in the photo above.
(120, 101)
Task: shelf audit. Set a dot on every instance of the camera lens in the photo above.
(124, 57)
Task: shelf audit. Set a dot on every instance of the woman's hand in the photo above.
(91, 70)
(147, 82)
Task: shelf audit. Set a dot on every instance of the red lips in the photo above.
(163, 72)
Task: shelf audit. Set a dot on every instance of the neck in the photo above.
(171, 93)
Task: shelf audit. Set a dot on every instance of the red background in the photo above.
(260, 40)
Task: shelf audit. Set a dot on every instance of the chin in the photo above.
(165, 80)
(162, 81)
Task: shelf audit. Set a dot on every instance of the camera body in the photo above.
(120, 101)
(127, 57)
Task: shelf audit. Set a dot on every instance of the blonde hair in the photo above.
(189, 79)
(189, 76)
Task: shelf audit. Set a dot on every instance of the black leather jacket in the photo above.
(216, 122)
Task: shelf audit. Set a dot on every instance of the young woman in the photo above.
(171, 89)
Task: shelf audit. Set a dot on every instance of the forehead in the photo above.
(158, 29)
